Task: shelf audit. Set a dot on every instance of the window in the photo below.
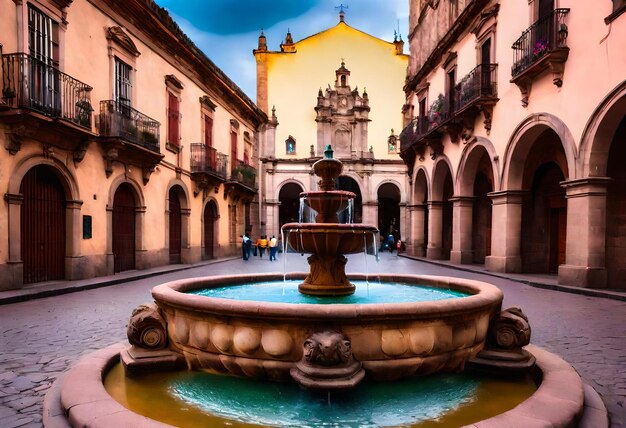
(290, 146)
(43, 48)
(173, 120)
(234, 128)
(122, 88)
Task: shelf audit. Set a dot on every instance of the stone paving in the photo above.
(42, 338)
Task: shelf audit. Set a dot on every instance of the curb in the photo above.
(65, 287)
(591, 292)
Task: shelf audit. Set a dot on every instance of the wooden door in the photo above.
(42, 231)
(175, 227)
(210, 217)
(124, 229)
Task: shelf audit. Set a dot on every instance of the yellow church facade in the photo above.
(342, 87)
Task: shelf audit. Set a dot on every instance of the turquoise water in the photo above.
(372, 292)
(372, 404)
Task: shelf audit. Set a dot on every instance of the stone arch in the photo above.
(14, 198)
(210, 228)
(288, 195)
(597, 135)
(522, 141)
(140, 210)
(440, 210)
(389, 197)
(352, 182)
(469, 165)
(476, 178)
(418, 238)
(177, 213)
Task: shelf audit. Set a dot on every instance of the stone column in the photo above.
(186, 252)
(271, 214)
(370, 213)
(110, 259)
(405, 222)
(462, 252)
(73, 238)
(507, 228)
(14, 276)
(140, 250)
(417, 240)
(435, 231)
(585, 252)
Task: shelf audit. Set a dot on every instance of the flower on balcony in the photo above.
(540, 48)
(435, 112)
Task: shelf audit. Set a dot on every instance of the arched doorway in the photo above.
(289, 208)
(124, 206)
(349, 184)
(420, 213)
(175, 225)
(544, 208)
(481, 216)
(616, 210)
(440, 221)
(389, 210)
(42, 232)
(210, 219)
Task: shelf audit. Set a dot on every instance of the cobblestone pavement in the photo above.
(42, 338)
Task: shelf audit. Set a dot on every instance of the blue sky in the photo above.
(227, 30)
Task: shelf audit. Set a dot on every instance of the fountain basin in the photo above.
(330, 238)
(265, 339)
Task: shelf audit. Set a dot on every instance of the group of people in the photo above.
(259, 247)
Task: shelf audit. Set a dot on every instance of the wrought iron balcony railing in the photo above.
(413, 132)
(30, 83)
(208, 159)
(544, 36)
(117, 119)
(243, 173)
(479, 83)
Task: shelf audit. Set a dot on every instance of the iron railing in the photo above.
(243, 173)
(117, 119)
(30, 83)
(413, 132)
(208, 159)
(479, 83)
(545, 35)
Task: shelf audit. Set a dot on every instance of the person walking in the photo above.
(261, 244)
(246, 243)
(273, 244)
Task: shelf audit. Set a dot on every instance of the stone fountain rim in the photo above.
(79, 398)
(328, 193)
(483, 295)
(330, 227)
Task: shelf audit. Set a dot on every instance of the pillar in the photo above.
(506, 231)
(435, 230)
(585, 251)
(462, 252)
(417, 240)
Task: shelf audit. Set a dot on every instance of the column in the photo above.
(585, 251)
(434, 249)
(462, 250)
(73, 238)
(14, 278)
(417, 240)
(506, 231)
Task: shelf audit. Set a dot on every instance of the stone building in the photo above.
(515, 123)
(341, 87)
(123, 146)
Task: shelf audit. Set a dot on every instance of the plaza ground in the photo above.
(41, 337)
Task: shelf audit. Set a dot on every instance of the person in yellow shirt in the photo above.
(273, 244)
(261, 244)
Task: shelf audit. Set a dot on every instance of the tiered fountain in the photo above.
(321, 346)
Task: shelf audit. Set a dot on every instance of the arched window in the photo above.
(290, 146)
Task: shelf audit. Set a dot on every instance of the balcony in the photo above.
(39, 101)
(208, 167)
(542, 46)
(242, 181)
(128, 136)
(454, 114)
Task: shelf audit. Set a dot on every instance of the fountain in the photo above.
(329, 346)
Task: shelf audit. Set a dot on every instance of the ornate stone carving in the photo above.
(327, 363)
(146, 328)
(509, 330)
(117, 35)
(16, 134)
